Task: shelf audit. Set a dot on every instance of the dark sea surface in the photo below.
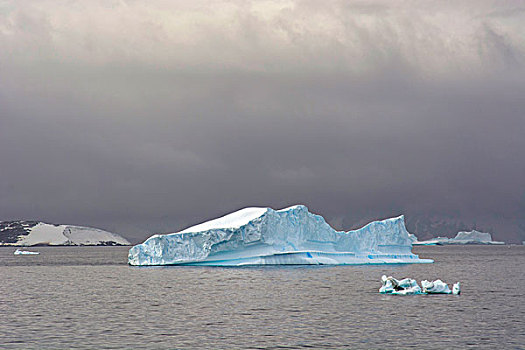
(88, 297)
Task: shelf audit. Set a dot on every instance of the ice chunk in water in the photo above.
(435, 287)
(402, 287)
(390, 285)
(456, 289)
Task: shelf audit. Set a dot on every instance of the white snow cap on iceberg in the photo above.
(264, 236)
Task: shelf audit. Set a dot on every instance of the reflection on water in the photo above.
(87, 297)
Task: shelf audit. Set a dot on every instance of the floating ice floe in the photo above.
(408, 286)
(25, 252)
(291, 236)
(403, 287)
(439, 287)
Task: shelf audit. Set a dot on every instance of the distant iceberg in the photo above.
(463, 237)
(291, 236)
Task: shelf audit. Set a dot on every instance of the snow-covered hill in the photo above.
(29, 233)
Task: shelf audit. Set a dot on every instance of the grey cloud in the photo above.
(146, 118)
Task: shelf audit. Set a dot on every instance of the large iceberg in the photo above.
(291, 236)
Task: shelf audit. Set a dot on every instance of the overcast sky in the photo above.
(149, 116)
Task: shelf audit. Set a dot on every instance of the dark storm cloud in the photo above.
(150, 117)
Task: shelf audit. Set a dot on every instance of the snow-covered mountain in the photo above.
(30, 233)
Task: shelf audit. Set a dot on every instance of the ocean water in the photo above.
(89, 298)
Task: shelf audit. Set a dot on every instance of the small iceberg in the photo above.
(409, 286)
(25, 252)
(405, 286)
(439, 287)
